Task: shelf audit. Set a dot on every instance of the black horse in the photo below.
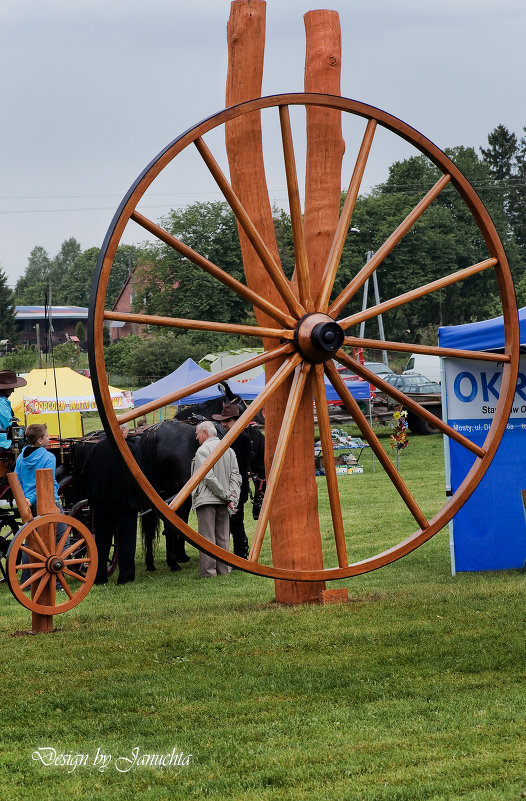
(166, 451)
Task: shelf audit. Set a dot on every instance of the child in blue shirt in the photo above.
(35, 457)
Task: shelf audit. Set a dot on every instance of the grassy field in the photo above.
(413, 690)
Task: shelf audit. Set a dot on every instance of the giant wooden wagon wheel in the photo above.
(307, 331)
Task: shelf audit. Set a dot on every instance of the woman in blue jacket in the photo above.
(8, 382)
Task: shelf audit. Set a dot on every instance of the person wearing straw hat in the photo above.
(8, 382)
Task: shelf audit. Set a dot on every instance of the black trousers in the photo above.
(237, 530)
(106, 521)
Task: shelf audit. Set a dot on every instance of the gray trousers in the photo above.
(213, 524)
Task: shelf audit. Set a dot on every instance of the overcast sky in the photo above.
(92, 90)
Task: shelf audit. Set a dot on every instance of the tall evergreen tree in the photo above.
(7, 310)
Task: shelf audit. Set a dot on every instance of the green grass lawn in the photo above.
(412, 690)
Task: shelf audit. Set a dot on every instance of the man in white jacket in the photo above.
(215, 497)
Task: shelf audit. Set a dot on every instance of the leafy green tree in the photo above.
(80, 331)
(7, 311)
(78, 280)
(67, 355)
(21, 360)
(501, 152)
(169, 284)
(32, 287)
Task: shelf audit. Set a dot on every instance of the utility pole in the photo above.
(368, 257)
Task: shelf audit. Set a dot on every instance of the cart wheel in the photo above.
(311, 332)
(9, 527)
(82, 511)
(72, 564)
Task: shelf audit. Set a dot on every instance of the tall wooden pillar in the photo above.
(294, 524)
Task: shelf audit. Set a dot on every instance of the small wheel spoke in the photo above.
(204, 383)
(358, 342)
(32, 553)
(214, 270)
(390, 243)
(370, 436)
(273, 269)
(72, 548)
(42, 585)
(285, 433)
(77, 576)
(65, 585)
(35, 577)
(64, 538)
(257, 404)
(409, 403)
(345, 218)
(414, 294)
(30, 565)
(298, 232)
(44, 551)
(324, 426)
(199, 325)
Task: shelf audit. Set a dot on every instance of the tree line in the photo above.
(445, 239)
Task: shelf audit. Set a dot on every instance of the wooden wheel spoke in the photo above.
(73, 547)
(204, 383)
(41, 586)
(273, 269)
(414, 294)
(298, 232)
(372, 439)
(285, 433)
(35, 577)
(390, 243)
(324, 426)
(333, 260)
(64, 583)
(199, 325)
(214, 270)
(408, 403)
(44, 551)
(257, 404)
(30, 566)
(403, 347)
(77, 576)
(64, 538)
(32, 553)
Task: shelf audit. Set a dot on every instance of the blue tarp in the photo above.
(489, 531)
(484, 335)
(248, 390)
(188, 373)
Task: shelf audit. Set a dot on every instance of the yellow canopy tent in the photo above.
(37, 401)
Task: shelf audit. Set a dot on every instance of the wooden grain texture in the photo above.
(325, 145)
(295, 533)
(432, 350)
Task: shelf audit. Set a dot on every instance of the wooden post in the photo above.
(294, 524)
(45, 504)
(325, 144)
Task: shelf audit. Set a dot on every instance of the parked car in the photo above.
(379, 368)
(420, 389)
(423, 364)
(413, 383)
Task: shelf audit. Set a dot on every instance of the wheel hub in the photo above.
(318, 337)
(54, 564)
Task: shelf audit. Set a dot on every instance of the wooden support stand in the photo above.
(45, 505)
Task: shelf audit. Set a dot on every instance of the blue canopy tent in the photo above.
(489, 531)
(248, 390)
(188, 373)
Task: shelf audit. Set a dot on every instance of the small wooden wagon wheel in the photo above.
(309, 330)
(70, 564)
